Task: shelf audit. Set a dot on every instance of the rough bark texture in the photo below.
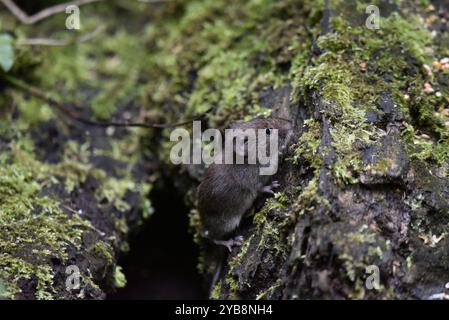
(69, 193)
(368, 196)
(365, 184)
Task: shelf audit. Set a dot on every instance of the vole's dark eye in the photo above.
(268, 131)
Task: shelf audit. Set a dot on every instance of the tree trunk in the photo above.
(362, 211)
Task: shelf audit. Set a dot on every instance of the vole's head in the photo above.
(283, 128)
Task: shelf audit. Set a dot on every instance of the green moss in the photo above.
(278, 202)
(223, 62)
(33, 229)
(419, 147)
(102, 75)
(409, 261)
(127, 152)
(357, 66)
(32, 111)
(4, 293)
(121, 226)
(233, 287)
(215, 294)
(74, 169)
(195, 225)
(195, 230)
(119, 277)
(107, 67)
(222, 54)
(309, 198)
(39, 223)
(357, 249)
(265, 293)
(242, 253)
(114, 191)
(306, 150)
(269, 240)
(102, 250)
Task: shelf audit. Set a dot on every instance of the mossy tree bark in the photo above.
(362, 194)
(69, 193)
(365, 184)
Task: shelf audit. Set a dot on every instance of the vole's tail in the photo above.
(214, 260)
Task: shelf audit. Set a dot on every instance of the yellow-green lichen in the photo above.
(119, 277)
(223, 62)
(309, 199)
(33, 229)
(215, 294)
(265, 293)
(102, 250)
(357, 66)
(307, 146)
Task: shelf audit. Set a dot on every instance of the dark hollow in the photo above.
(162, 260)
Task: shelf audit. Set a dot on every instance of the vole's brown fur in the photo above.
(228, 191)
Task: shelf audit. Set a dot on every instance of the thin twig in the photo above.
(41, 15)
(61, 108)
(59, 42)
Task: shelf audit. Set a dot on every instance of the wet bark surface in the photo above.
(329, 250)
(364, 187)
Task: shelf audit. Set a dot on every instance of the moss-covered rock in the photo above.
(365, 184)
(69, 193)
(367, 121)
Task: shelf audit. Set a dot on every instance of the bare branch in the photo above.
(41, 15)
(59, 42)
(61, 108)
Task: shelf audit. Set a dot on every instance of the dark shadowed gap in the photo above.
(162, 260)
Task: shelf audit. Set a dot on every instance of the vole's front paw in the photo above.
(231, 243)
(270, 188)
